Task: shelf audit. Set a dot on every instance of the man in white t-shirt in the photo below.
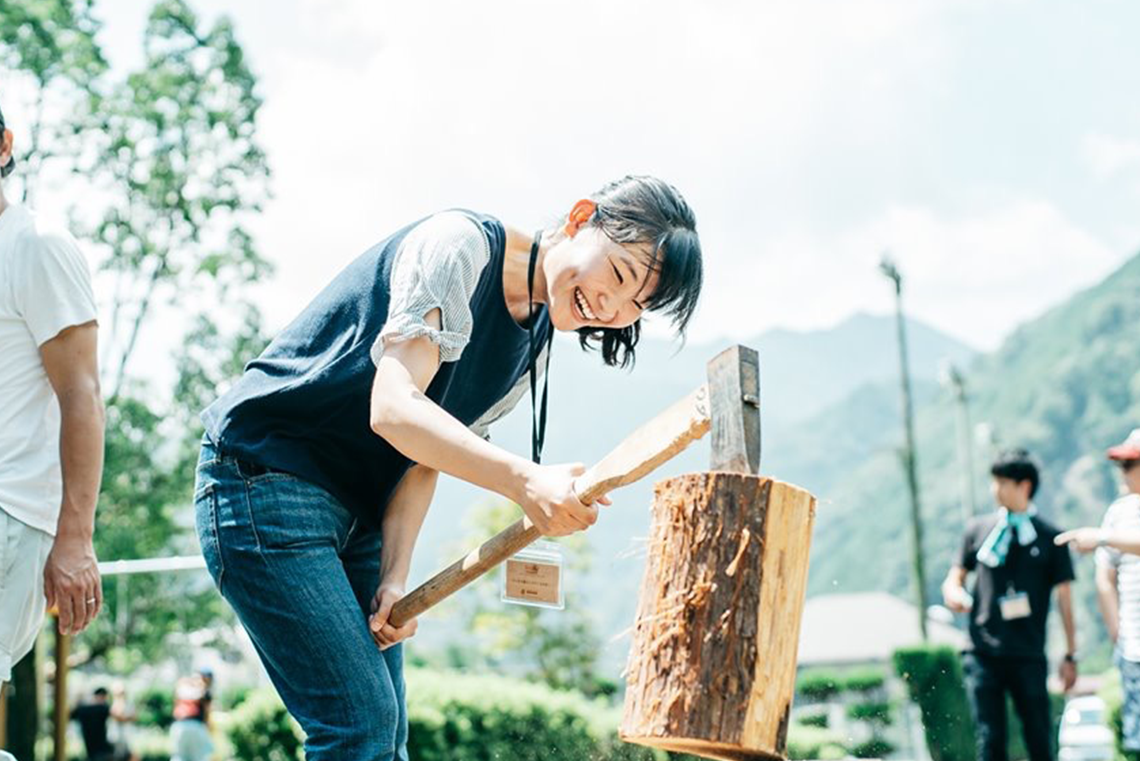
(1117, 546)
(51, 429)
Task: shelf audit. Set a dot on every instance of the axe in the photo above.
(729, 404)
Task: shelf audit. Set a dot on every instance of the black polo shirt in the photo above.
(92, 718)
(1034, 570)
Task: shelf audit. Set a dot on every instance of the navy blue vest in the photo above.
(302, 407)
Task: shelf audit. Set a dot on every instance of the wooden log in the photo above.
(713, 663)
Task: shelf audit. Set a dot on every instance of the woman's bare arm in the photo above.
(424, 432)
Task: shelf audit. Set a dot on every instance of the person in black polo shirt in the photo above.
(1016, 565)
(92, 718)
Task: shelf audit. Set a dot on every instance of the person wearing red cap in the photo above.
(1117, 545)
(51, 428)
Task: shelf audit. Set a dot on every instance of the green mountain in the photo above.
(1065, 386)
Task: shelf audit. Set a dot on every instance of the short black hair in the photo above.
(643, 209)
(1017, 466)
(100, 692)
(7, 168)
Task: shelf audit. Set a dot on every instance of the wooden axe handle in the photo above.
(661, 439)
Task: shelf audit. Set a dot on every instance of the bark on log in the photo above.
(713, 663)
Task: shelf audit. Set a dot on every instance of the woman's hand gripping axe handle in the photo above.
(729, 403)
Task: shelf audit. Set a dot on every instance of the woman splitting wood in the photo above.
(328, 447)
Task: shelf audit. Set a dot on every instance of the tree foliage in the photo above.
(52, 44)
(179, 147)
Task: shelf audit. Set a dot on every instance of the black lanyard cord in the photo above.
(537, 419)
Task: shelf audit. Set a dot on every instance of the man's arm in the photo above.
(1065, 604)
(71, 577)
(1109, 598)
(954, 590)
(1090, 538)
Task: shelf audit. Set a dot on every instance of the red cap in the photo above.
(1129, 449)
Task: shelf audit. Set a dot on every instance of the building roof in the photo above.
(865, 627)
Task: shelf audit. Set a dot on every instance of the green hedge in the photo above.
(865, 680)
(817, 720)
(818, 685)
(460, 717)
(232, 697)
(456, 717)
(933, 676)
(876, 747)
(484, 718)
(878, 712)
(260, 729)
(156, 707)
(807, 742)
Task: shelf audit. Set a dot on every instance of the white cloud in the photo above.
(975, 276)
(394, 110)
(1108, 155)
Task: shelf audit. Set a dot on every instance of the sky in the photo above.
(993, 148)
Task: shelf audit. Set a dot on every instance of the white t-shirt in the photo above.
(45, 287)
(1124, 515)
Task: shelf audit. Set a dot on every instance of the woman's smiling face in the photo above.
(593, 282)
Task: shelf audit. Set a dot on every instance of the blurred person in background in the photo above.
(1117, 545)
(1016, 567)
(93, 717)
(123, 716)
(189, 734)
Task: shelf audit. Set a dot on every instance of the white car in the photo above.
(1084, 733)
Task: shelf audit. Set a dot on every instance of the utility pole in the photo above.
(953, 379)
(909, 459)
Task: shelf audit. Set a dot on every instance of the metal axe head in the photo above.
(734, 410)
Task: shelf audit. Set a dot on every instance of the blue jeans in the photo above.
(1130, 709)
(301, 572)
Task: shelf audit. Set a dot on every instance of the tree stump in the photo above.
(713, 664)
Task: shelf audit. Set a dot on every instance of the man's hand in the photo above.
(384, 632)
(956, 598)
(72, 584)
(1068, 674)
(1082, 539)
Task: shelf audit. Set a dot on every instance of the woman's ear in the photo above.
(579, 217)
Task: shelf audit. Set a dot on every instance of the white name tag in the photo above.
(1014, 606)
(534, 577)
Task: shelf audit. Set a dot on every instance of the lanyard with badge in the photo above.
(1014, 605)
(534, 575)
